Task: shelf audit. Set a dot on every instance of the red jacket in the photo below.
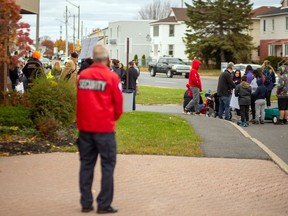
(99, 99)
(194, 77)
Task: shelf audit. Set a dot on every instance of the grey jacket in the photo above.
(243, 92)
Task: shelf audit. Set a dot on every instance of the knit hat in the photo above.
(283, 69)
(74, 55)
(36, 54)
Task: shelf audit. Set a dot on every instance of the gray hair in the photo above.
(230, 65)
(100, 53)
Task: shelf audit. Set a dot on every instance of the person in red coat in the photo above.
(195, 86)
(99, 106)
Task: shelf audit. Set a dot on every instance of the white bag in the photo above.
(20, 88)
(234, 103)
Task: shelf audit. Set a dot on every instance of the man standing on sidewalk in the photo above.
(99, 106)
(224, 90)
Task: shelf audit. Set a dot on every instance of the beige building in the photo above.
(31, 7)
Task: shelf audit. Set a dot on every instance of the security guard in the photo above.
(99, 106)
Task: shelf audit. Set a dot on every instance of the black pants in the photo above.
(268, 98)
(90, 145)
(244, 112)
(253, 107)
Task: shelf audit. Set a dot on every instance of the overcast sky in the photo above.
(94, 13)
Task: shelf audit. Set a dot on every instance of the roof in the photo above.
(176, 15)
(258, 11)
(275, 12)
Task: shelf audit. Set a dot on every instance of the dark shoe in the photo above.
(87, 209)
(109, 210)
(256, 122)
(252, 120)
(262, 122)
(280, 122)
(285, 121)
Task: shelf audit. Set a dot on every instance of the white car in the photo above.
(242, 68)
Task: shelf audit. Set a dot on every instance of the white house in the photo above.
(274, 32)
(168, 35)
(139, 33)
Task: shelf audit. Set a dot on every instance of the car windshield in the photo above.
(175, 61)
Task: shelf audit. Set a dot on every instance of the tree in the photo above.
(61, 45)
(218, 30)
(49, 47)
(14, 37)
(156, 10)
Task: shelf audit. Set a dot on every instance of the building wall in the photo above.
(29, 5)
(138, 31)
(255, 33)
(164, 40)
(280, 30)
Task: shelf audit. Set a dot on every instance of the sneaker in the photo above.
(256, 122)
(262, 122)
(87, 209)
(252, 120)
(239, 122)
(246, 124)
(242, 124)
(285, 121)
(280, 122)
(109, 210)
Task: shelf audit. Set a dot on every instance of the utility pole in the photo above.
(66, 21)
(74, 39)
(82, 27)
(60, 31)
(78, 16)
(182, 3)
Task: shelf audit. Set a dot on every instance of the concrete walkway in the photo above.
(47, 185)
(221, 140)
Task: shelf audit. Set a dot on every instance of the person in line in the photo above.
(270, 80)
(116, 68)
(260, 96)
(123, 71)
(99, 106)
(69, 72)
(56, 69)
(195, 85)
(33, 68)
(249, 73)
(130, 82)
(282, 94)
(237, 81)
(85, 64)
(254, 86)
(224, 91)
(243, 92)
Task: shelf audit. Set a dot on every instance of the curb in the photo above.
(271, 154)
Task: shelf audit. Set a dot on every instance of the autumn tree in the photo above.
(14, 36)
(218, 30)
(49, 47)
(156, 10)
(61, 45)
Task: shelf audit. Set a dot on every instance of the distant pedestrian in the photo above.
(85, 64)
(56, 69)
(270, 79)
(254, 86)
(69, 73)
(224, 91)
(116, 69)
(243, 92)
(260, 96)
(123, 71)
(130, 81)
(99, 106)
(237, 77)
(249, 73)
(282, 94)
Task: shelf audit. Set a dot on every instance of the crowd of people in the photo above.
(252, 91)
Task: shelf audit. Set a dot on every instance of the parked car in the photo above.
(170, 66)
(46, 63)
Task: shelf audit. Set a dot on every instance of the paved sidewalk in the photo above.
(44, 185)
(221, 139)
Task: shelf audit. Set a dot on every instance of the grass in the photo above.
(156, 134)
(210, 72)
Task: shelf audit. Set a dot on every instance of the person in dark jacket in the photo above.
(116, 68)
(237, 77)
(243, 92)
(270, 80)
(259, 96)
(224, 91)
(34, 68)
(130, 82)
(123, 71)
(85, 64)
(14, 76)
(249, 73)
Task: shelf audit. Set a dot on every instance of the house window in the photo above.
(156, 31)
(171, 50)
(264, 25)
(171, 30)
(286, 49)
(273, 25)
(286, 23)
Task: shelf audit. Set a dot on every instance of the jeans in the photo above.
(244, 112)
(268, 99)
(224, 105)
(195, 101)
(90, 145)
(260, 109)
(253, 107)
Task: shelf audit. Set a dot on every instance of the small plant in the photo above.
(136, 58)
(143, 60)
(14, 98)
(15, 116)
(47, 125)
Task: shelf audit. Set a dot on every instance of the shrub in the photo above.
(47, 125)
(143, 60)
(15, 116)
(14, 98)
(274, 60)
(53, 99)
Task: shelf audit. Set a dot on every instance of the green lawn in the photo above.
(156, 134)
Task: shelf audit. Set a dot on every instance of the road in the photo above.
(160, 80)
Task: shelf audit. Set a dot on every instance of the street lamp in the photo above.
(78, 16)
